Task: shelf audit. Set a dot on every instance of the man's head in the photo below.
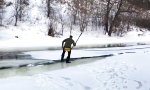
(71, 36)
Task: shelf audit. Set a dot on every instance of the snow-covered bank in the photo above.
(128, 69)
(120, 72)
(123, 72)
(32, 41)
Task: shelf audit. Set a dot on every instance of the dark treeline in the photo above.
(116, 16)
(144, 4)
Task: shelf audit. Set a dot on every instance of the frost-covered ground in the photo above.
(37, 40)
(129, 71)
(125, 71)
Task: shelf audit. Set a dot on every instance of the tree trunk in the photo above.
(48, 8)
(115, 18)
(107, 17)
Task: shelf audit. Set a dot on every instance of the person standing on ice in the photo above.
(66, 45)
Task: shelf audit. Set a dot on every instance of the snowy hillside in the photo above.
(33, 18)
(32, 30)
(115, 68)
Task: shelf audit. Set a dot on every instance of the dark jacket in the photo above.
(68, 42)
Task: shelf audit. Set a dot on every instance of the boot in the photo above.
(68, 62)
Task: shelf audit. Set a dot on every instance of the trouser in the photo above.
(63, 54)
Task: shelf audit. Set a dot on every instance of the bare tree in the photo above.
(50, 11)
(48, 8)
(1, 11)
(50, 15)
(51, 29)
(108, 8)
(144, 4)
(19, 7)
(115, 14)
(120, 3)
(62, 24)
(81, 12)
(97, 13)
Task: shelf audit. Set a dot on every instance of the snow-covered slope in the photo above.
(123, 72)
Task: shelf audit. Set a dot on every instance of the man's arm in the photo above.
(63, 43)
(74, 44)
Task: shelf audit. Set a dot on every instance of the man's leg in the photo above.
(62, 56)
(68, 58)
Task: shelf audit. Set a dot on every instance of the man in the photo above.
(67, 47)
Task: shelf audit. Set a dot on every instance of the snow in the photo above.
(121, 72)
(36, 40)
(126, 71)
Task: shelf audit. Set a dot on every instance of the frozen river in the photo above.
(34, 62)
(113, 68)
(31, 70)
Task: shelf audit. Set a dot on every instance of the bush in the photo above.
(143, 23)
(51, 31)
